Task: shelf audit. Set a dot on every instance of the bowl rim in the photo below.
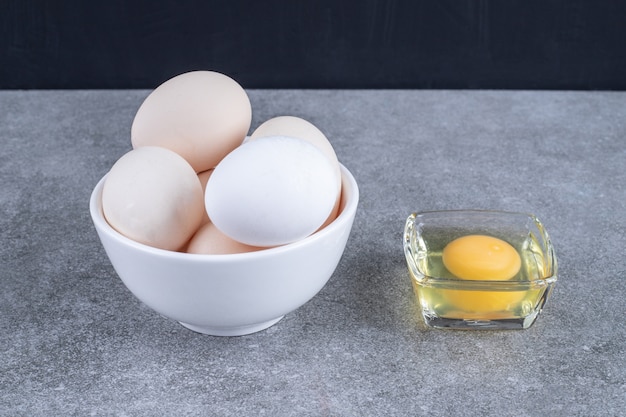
(348, 204)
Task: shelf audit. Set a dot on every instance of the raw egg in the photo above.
(201, 115)
(153, 196)
(271, 191)
(480, 257)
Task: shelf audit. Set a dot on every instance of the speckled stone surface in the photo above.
(75, 342)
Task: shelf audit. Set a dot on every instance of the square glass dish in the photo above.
(503, 268)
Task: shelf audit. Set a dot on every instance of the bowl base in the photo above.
(467, 324)
(232, 331)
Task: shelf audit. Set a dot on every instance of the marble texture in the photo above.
(75, 342)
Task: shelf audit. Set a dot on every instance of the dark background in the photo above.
(455, 44)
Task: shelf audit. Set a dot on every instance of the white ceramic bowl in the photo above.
(229, 295)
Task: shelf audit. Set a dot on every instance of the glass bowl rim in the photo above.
(501, 285)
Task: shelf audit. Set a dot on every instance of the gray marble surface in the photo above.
(75, 342)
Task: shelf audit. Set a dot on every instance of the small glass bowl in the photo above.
(450, 302)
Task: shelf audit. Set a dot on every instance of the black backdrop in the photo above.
(516, 44)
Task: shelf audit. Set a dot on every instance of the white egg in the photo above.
(153, 196)
(271, 191)
(297, 127)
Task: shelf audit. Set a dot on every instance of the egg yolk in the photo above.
(479, 257)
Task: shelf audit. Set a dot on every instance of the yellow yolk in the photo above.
(478, 257)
